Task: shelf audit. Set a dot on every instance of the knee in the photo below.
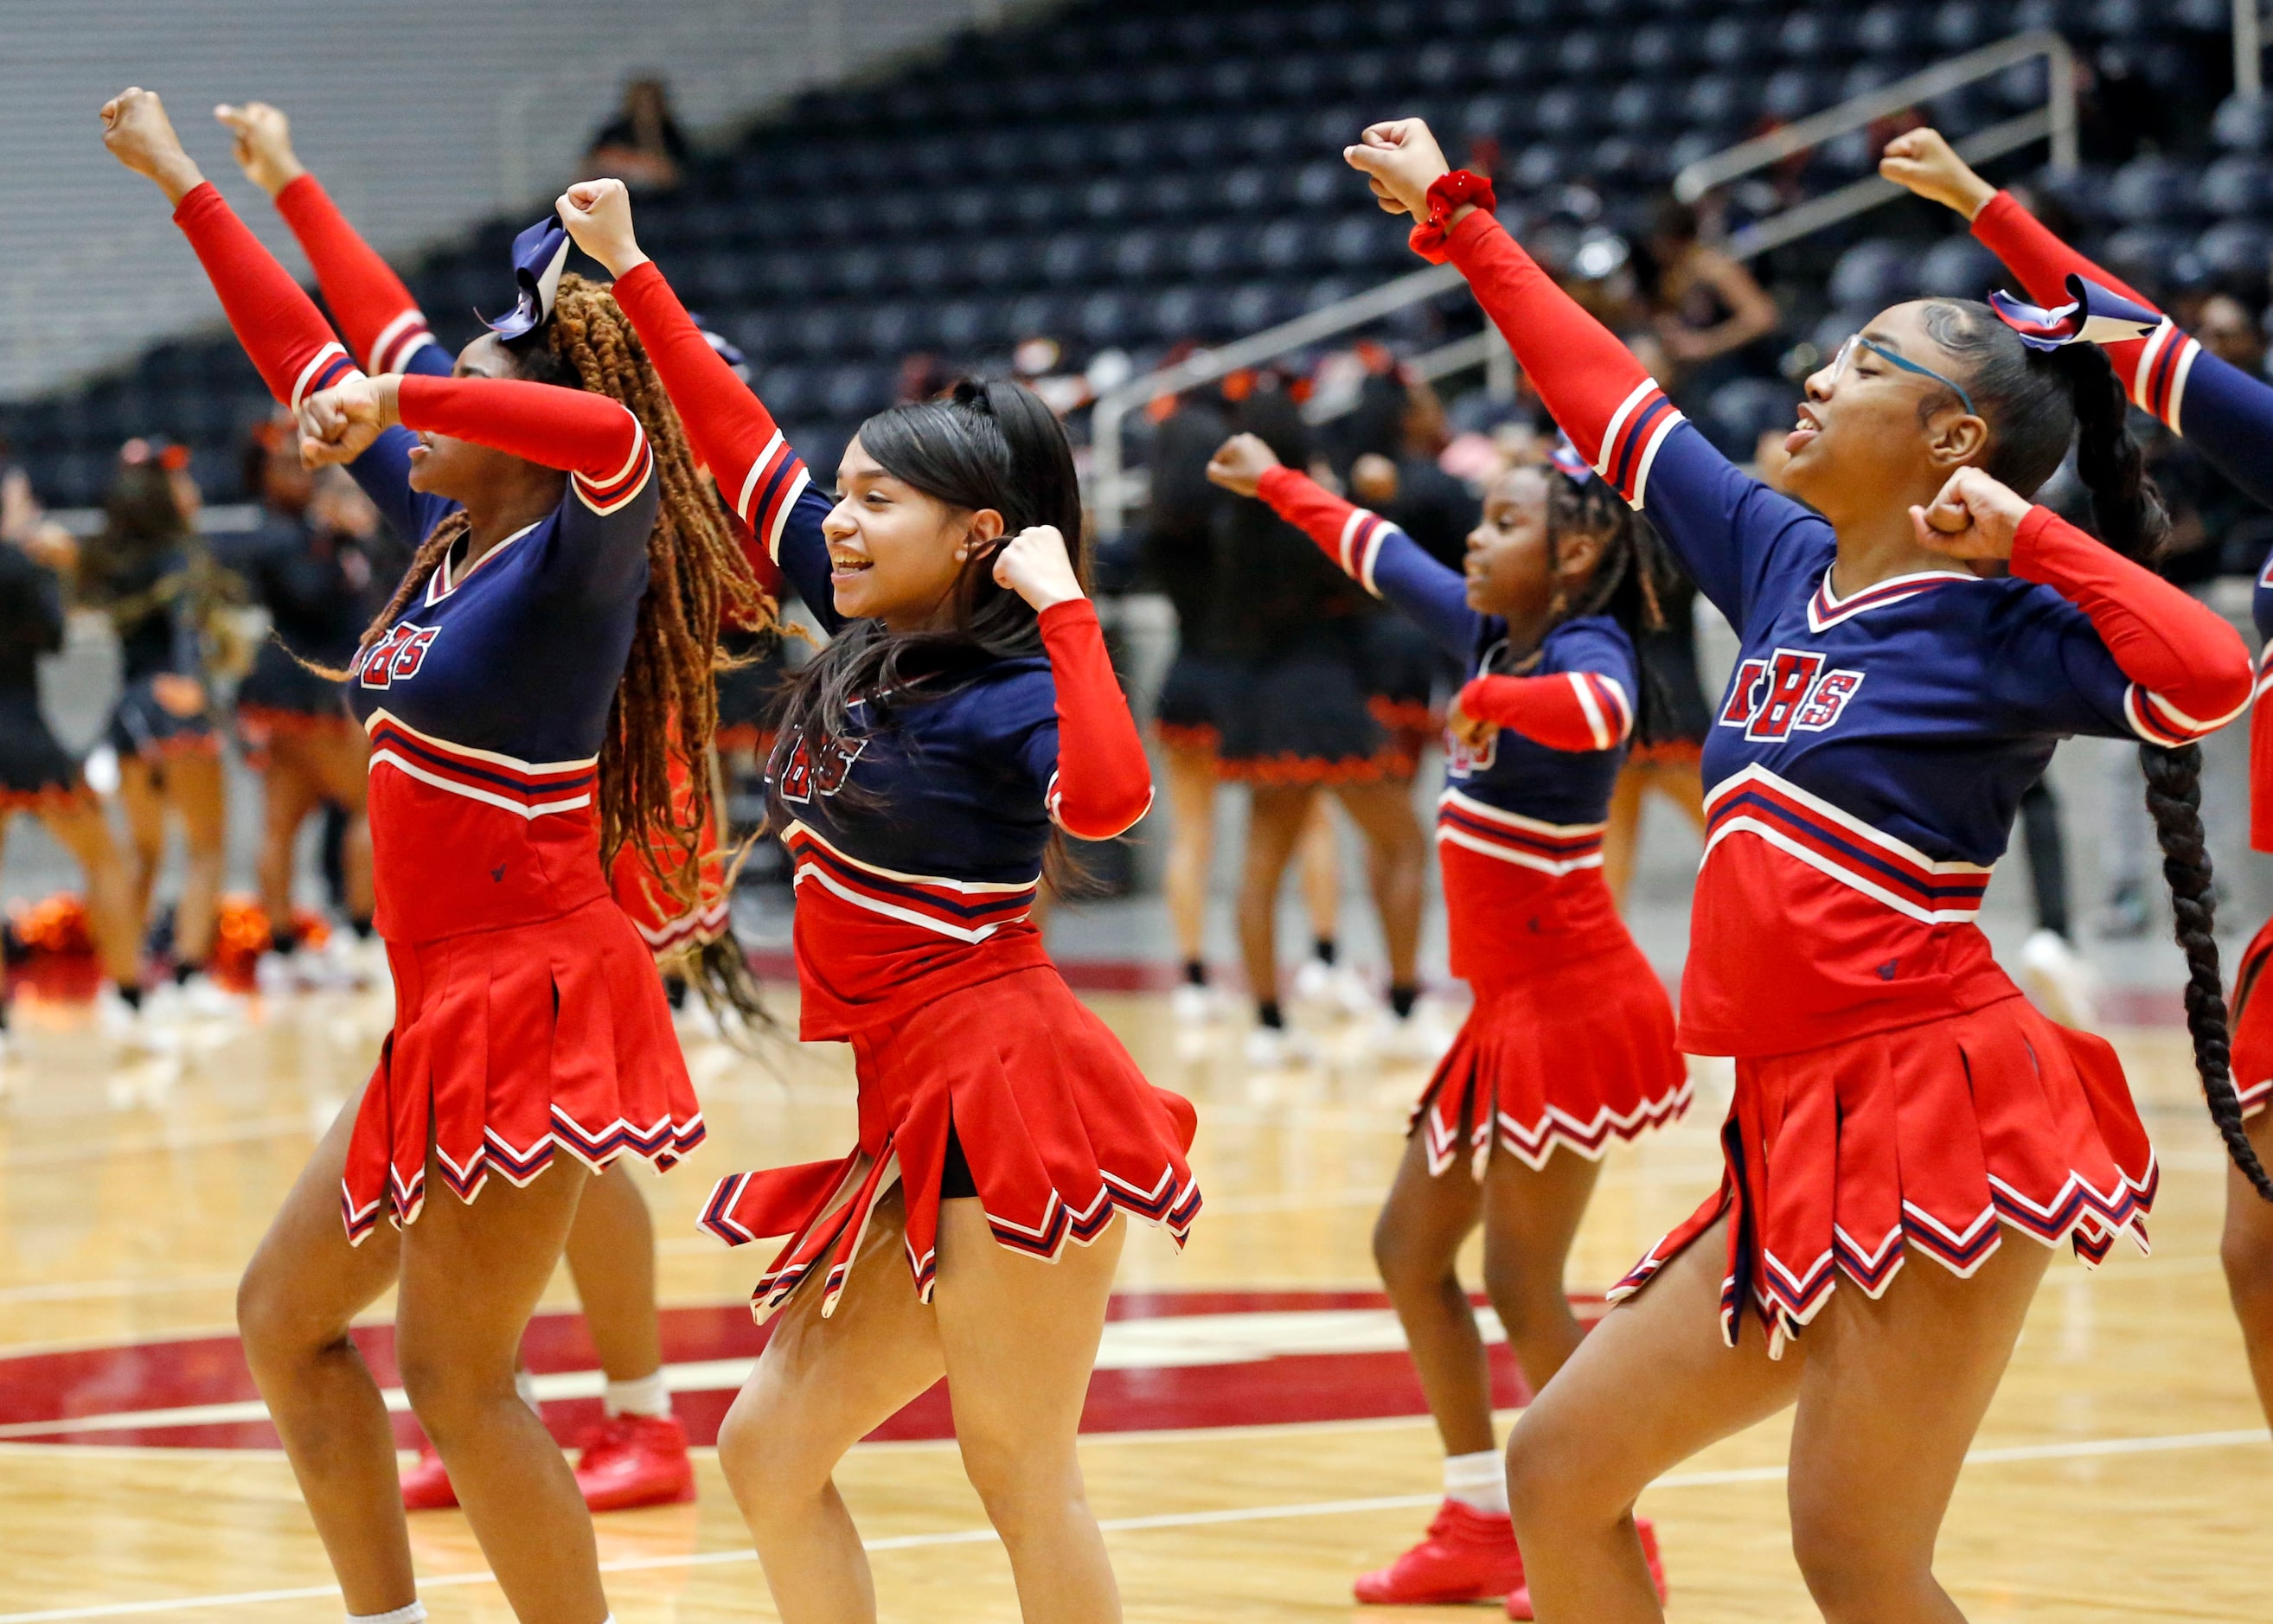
(762, 1463)
(1407, 1266)
(1852, 1573)
(1545, 1487)
(1022, 1486)
(447, 1391)
(1528, 1301)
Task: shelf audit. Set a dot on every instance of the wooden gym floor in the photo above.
(1255, 1456)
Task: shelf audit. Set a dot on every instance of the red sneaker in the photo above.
(426, 1485)
(635, 1460)
(1469, 1555)
(1519, 1603)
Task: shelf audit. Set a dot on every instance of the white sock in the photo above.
(1478, 1481)
(525, 1384)
(414, 1613)
(650, 1395)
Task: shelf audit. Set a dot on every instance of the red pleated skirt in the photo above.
(1575, 1054)
(1059, 1127)
(2253, 1025)
(509, 1044)
(1843, 1160)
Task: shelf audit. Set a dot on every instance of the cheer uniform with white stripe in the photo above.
(2227, 415)
(528, 1017)
(1894, 1089)
(918, 843)
(1533, 927)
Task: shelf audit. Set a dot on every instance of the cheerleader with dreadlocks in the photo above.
(2227, 415)
(1561, 579)
(637, 1455)
(519, 692)
(1913, 645)
(963, 711)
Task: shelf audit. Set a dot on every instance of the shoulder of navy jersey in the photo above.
(1741, 541)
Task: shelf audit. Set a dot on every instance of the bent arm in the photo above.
(596, 441)
(1378, 555)
(1102, 784)
(1724, 525)
(2189, 670)
(383, 324)
(1567, 710)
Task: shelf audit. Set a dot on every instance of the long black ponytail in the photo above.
(1636, 571)
(2034, 402)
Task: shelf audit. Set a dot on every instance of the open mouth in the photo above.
(842, 565)
(1803, 432)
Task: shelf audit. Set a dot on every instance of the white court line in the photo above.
(2081, 1449)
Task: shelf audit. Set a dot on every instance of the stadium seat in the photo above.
(1958, 267)
(1876, 274)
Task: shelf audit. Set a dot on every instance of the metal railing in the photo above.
(1113, 489)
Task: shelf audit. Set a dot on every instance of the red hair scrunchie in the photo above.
(1447, 196)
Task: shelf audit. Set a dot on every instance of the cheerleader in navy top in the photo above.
(512, 692)
(2228, 414)
(963, 714)
(1560, 576)
(1895, 1094)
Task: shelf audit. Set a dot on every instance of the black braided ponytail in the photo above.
(1634, 572)
(2034, 402)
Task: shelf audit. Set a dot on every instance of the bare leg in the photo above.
(612, 1259)
(304, 1285)
(1621, 829)
(821, 1386)
(2247, 1251)
(1530, 1220)
(140, 793)
(1192, 845)
(1322, 869)
(1274, 824)
(288, 796)
(1397, 860)
(1889, 1400)
(1020, 1336)
(1416, 1241)
(340, 765)
(81, 830)
(1651, 1387)
(198, 793)
(471, 1277)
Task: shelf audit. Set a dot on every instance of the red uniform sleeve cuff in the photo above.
(198, 199)
(1072, 612)
(2037, 543)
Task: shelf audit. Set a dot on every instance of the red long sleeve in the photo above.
(2148, 366)
(596, 439)
(1567, 710)
(382, 322)
(1318, 513)
(279, 326)
(2191, 665)
(1103, 783)
(730, 428)
(1604, 398)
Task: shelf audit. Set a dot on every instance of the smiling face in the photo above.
(895, 553)
(459, 470)
(1873, 429)
(1512, 571)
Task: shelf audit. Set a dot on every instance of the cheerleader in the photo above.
(516, 690)
(2229, 416)
(962, 713)
(1913, 646)
(38, 777)
(1560, 579)
(310, 562)
(151, 573)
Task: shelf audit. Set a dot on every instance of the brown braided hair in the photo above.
(666, 704)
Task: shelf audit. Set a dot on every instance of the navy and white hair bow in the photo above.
(2093, 315)
(539, 253)
(1566, 459)
(728, 351)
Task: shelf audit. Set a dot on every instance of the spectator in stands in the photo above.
(1701, 306)
(643, 146)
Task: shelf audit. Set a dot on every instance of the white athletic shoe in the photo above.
(2065, 987)
(1195, 1005)
(1334, 987)
(1278, 1048)
(1413, 1039)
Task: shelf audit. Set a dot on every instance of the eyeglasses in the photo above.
(1856, 341)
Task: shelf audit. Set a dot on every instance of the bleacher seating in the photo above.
(1126, 182)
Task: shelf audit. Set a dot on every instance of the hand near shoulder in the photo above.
(1467, 732)
(1974, 518)
(598, 215)
(1925, 161)
(1034, 563)
(1241, 462)
(338, 424)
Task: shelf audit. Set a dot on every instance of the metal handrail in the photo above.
(1112, 489)
(1761, 151)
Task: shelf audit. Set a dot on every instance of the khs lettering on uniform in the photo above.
(395, 657)
(801, 780)
(1788, 692)
(1463, 760)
